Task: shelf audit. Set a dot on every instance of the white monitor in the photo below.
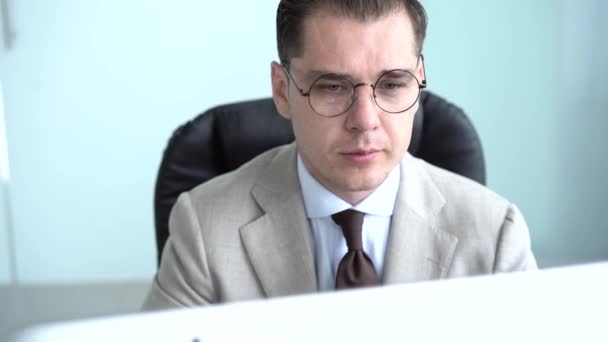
(564, 304)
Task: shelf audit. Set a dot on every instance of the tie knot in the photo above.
(351, 222)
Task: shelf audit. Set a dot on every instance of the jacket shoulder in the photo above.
(471, 209)
(235, 185)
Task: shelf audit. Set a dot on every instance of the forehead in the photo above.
(362, 48)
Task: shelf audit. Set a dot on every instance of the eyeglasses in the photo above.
(332, 95)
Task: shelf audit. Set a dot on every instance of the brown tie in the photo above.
(356, 268)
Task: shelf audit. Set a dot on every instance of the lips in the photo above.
(361, 156)
(360, 152)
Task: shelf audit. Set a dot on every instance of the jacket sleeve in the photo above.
(513, 250)
(183, 278)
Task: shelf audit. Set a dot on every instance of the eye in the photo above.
(397, 80)
(331, 87)
(392, 85)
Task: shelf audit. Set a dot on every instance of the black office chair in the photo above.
(223, 138)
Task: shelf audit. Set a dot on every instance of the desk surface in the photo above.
(564, 304)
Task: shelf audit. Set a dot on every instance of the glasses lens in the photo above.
(331, 95)
(397, 91)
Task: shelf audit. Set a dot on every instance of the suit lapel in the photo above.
(279, 242)
(417, 249)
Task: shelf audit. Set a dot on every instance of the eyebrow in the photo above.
(312, 75)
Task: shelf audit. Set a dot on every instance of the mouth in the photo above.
(361, 156)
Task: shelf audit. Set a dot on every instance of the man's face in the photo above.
(350, 154)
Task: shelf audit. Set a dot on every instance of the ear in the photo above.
(421, 71)
(280, 92)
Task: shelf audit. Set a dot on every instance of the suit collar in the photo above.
(417, 249)
(279, 242)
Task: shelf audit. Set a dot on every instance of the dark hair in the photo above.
(292, 13)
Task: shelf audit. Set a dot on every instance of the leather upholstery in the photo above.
(223, 138)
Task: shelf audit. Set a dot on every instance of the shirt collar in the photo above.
(320, 202)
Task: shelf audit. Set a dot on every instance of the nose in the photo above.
(364, 114)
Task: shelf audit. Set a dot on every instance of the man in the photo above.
(349, 81)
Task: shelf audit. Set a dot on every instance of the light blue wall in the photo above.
(5, 241)
(5, 274)
(93, 90)
(582, 160)
(530, 74)
(498, 60)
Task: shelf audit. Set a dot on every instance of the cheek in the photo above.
(400, 131)
(314, 131)
(304, 131)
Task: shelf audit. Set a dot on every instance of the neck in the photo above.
(352, 198)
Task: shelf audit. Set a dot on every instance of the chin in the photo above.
(368, 183)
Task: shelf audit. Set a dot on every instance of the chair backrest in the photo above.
(223, 138)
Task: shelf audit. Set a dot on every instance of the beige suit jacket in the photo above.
(245, 235)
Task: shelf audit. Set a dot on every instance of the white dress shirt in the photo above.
(329, 245)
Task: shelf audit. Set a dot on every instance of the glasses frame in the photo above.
(421, 85)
